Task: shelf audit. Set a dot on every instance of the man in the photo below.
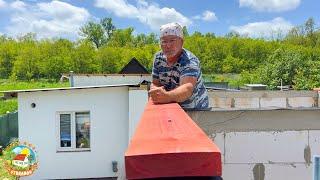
(176, 73)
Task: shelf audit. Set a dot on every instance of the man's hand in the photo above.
(159, 95)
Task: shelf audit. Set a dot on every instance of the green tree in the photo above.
(122, 38)
(94, 32)
(108, 26)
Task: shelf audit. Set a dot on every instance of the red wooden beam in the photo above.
(167, 143)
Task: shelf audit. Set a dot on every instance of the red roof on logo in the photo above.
(20, 157)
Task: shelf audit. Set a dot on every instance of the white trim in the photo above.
(73, 132)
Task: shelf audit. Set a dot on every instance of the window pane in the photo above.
(65, 130)
(83, 130)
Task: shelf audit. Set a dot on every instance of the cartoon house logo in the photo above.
(21, 159)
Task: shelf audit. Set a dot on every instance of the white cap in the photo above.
(171, 29)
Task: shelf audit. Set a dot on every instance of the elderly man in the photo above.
(176, 74)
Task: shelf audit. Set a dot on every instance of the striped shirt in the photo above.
(169, 77)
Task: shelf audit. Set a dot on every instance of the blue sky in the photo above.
(254, 18)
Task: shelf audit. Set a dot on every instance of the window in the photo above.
(73, 131)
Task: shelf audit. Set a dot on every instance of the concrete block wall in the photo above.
(269, 155)
(263, 99)
(264, 144)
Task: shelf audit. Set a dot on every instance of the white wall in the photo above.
(109, 130)
(137, 102)
(92, 80)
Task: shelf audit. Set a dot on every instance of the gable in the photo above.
(134, 67)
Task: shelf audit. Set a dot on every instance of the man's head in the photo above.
(171, 39)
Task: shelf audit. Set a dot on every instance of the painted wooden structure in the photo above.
(167, 143)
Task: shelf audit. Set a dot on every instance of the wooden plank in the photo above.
(167, 143)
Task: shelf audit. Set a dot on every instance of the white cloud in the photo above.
(147, 13)
(207, 16)
(119, 7)
(2, 3)
(18, 5)
(270, 5)
(265, 29)
(47, 20)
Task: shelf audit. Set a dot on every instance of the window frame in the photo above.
(73, 147)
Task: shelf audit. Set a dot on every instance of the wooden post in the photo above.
(167, 143)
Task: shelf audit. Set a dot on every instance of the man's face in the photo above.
(171, 45)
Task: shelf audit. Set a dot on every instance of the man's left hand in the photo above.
(159, 95)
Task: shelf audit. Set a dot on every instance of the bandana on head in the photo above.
(171, 29)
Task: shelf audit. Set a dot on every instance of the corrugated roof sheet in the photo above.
(68, 88)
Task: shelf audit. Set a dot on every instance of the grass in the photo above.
(12, 104)
(6, 84)
(4, 175)
(8, 106)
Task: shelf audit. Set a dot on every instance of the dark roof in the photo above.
(134, 67)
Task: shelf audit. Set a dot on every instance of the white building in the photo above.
(79, 132)
(263, 135)
(79, 80)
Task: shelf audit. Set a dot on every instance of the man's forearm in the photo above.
(181, 93)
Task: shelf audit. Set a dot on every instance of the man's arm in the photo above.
(155, 83)
(179, 94)
(184, 91)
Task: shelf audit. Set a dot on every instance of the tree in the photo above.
(122, 37)
(94, 32)
(310, 31)
(281, 65)
(108, 26)
(185, 31)
(8, 53)
(232, 34)
(26, 66)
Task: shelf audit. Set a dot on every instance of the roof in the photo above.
(255, 85)
(106, 75)
(13, 93)
(20, 157)
(134, 67)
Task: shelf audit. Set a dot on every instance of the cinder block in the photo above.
(218, 139)
(314, 141)
(301, 102)
(252, 147)
(237, 171)
(220, 102)
(288, 171)
(273, 102)
(246, 103)
(272, 171)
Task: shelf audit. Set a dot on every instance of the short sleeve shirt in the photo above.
(169, 77)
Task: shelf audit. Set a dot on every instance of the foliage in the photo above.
(106, 49)
(12, 104)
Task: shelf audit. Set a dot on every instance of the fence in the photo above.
(8, 128)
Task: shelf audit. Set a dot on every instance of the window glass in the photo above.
(65, 130)
(83, 130)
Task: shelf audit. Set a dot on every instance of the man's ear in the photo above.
(182, 41)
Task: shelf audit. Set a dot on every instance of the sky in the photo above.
(62, 19)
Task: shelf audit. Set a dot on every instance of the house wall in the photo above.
(264, 144)
(138, 99)
(258, 140)
(109, 80)
(109, 130)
